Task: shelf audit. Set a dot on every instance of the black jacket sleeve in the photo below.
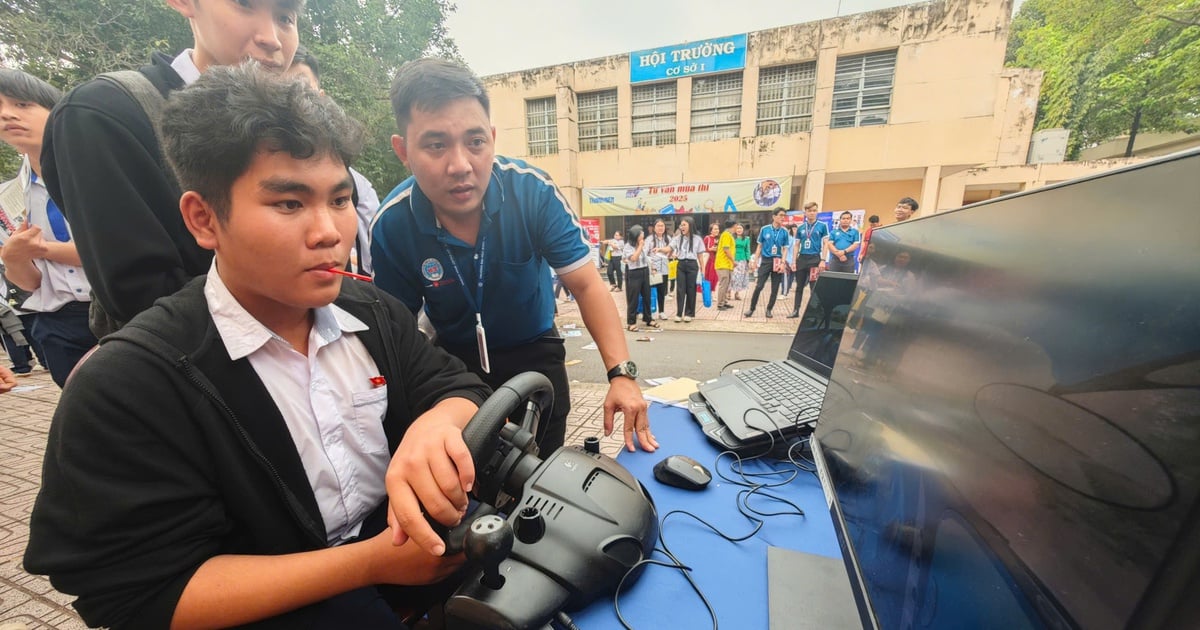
(128, 509)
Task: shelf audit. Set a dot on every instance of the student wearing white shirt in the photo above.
(40, 255)
(233, 453)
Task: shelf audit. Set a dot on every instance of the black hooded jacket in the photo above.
(164, 452)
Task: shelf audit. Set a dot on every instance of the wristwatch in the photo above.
(624, 368)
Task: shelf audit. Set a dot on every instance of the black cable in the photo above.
(565, 621)
(753, 487)
(675, 564)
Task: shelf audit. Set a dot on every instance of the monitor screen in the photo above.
(1010, 434)
(816, 342)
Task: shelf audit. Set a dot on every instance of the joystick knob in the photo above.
(531, 526)
(488, 542)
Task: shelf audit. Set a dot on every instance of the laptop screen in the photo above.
(816, 342)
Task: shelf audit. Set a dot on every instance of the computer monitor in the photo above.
(1011, 436)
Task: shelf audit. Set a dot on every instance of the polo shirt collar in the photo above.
(243, 335)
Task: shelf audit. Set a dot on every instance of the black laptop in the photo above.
(783, 397)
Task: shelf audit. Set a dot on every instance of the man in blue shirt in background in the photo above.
(473, 236)
(812, 237)
(770, 258)
(843, 244)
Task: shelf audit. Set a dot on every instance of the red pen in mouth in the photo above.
(356, 276)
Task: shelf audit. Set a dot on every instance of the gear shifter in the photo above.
(488, 543)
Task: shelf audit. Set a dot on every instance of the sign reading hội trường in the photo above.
(703, 57)
(745, 195)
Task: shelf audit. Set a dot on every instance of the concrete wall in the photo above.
(874, 197)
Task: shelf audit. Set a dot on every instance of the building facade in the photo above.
(852, 112)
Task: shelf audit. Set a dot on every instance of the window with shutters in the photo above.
(654, 114)
(716, 107)
(598, 120)
(785, 98)
(862, 89)
(541, 126)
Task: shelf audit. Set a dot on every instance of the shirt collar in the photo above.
(26, 175)
(244, 335)
(185, 67)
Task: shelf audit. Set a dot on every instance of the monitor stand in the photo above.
(809, 591)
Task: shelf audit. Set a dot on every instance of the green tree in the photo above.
(1113, 67)
(360, 44)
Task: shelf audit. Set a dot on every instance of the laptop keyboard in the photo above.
(782, 393)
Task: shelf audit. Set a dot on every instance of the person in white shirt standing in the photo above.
(40, 256)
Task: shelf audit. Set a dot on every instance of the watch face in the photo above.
(631, 369)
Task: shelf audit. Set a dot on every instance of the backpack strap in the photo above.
(145, 94)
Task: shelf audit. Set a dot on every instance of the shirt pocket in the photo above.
(369, 409)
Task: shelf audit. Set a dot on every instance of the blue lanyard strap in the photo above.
(475, 301)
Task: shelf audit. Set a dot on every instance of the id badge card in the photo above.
(481, 341)
(807, 244)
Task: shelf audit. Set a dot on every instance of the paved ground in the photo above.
(708, 319)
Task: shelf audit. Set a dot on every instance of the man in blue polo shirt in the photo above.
(812, 238)
(770, 258)
(844, 242)
(473, 236)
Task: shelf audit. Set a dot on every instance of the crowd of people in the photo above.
(253, 430)
(730, 265)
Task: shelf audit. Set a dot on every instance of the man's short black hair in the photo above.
(846, 213)
(729, 223)
(212, 130)
(874, 218)
(778, 211)
(305, 57)
(23, 86)
(429, 84)
(910, 202)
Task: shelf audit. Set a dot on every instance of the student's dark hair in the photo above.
(874, 218)
(429, 84)
(23, 86)
(729, 223)
(778, 211)
(304, 57)
(633, 233)
(910, 202)
(212, 129)
(685, 244)
(846, 213)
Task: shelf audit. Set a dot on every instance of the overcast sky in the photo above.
(498, 36)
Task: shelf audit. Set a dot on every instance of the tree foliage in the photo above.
(360, 44)
(1113, 67)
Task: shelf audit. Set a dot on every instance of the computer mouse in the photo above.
(682, 471)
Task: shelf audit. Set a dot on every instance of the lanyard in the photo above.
(809, 231)
(474, 301)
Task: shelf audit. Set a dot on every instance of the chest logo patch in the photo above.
(432, 269)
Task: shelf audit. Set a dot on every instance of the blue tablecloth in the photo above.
(733, 576)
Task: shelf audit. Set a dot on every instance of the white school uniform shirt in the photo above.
(332, 409)
(61, 283)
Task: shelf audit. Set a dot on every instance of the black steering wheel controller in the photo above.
(576, 521)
